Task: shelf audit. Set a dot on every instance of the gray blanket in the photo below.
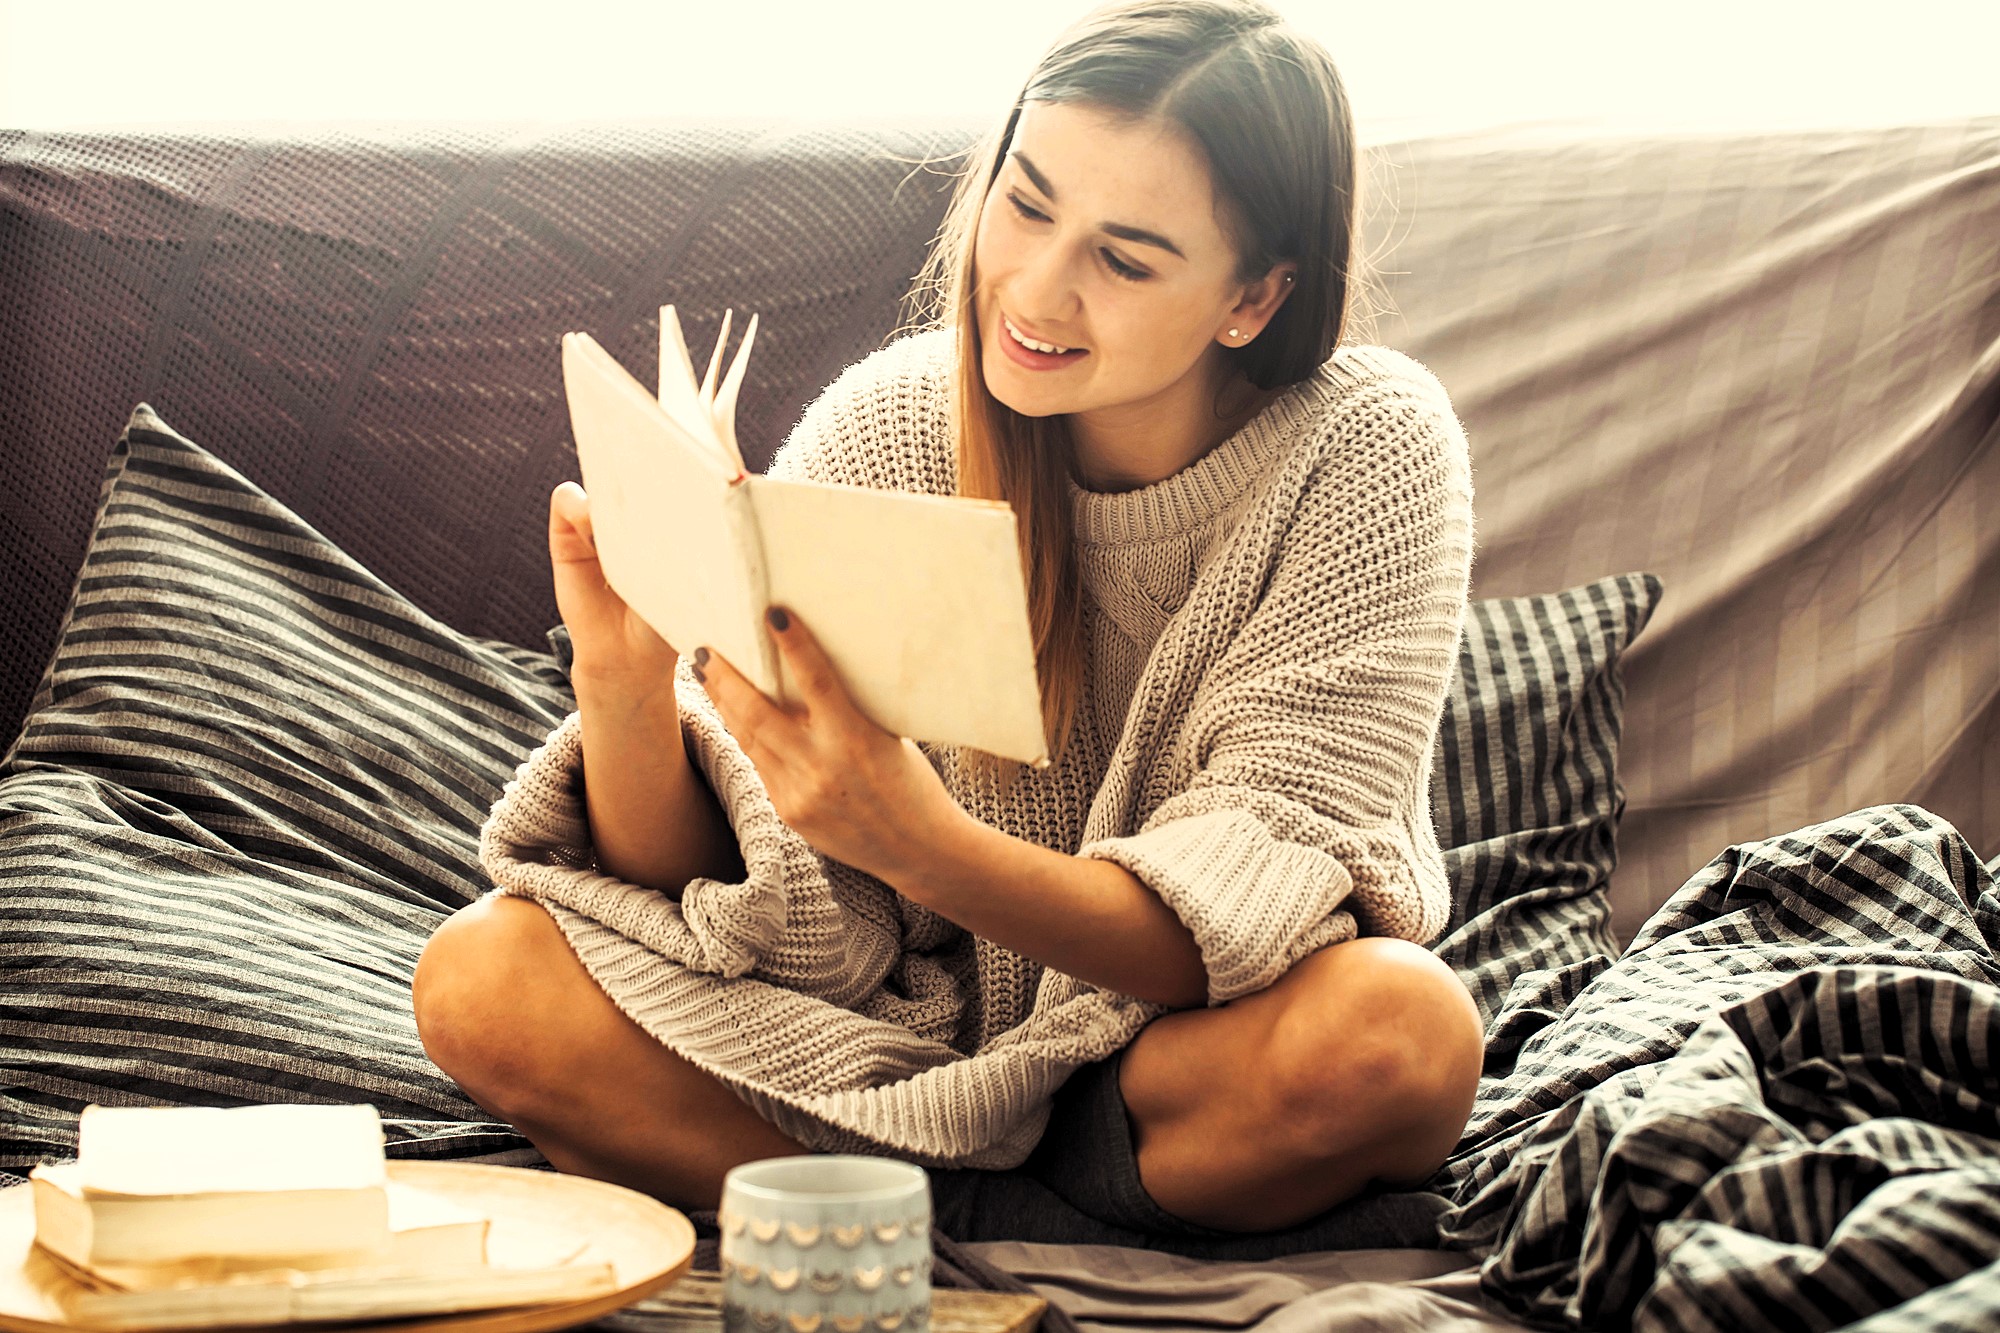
(1777, 1109)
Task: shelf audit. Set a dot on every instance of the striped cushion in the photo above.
(1524, 786)
(249, 789)
(1776, 1111)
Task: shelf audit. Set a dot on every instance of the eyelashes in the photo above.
(1119, 267)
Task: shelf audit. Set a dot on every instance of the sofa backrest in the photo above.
(365, 322)
(1765, 367)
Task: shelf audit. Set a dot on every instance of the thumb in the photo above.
(588, 604)
(571, 537)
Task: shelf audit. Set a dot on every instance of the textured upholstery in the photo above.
(366, 323)
(1765, 367)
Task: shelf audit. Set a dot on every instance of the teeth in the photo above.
(1026, 341)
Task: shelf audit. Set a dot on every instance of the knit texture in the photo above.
(1272, 631)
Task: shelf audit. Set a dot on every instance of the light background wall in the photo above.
(84, 62)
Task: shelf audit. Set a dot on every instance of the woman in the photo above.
(1247, 556)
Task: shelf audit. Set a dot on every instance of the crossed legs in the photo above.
(1358, 1065)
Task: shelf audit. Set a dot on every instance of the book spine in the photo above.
(739, 504)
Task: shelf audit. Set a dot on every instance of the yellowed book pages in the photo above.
(310, 1297)
(525, 1263)
(426, 1232)
(918, 600)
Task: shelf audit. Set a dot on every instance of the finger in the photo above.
(818, 680)
(571, 536)
(758, 725)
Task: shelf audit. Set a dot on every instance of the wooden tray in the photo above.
(694, 1305)
(647, 1244)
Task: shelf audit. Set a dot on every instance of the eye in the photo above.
(1023, 209)
(1118, 266)
(1123, 270)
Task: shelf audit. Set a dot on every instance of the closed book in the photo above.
(919, 601)
(154, 1185)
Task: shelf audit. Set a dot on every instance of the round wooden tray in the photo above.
(647, 1244)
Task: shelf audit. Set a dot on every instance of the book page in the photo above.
(679, 396)
(919, 602)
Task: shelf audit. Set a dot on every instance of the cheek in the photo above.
(1159, 330)
(989, 249)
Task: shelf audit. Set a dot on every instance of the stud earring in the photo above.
(1235, 333)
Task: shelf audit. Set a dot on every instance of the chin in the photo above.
(1005, 386)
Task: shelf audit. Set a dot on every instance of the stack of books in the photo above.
(187, 1217)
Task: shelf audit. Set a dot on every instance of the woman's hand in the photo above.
(614, 647)
(859, 794)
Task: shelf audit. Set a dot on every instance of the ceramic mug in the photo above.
(826, 1244)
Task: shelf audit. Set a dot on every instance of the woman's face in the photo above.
(1101, 237)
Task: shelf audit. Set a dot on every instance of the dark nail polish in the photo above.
(779, 620)
(699, 674)
(701, 657)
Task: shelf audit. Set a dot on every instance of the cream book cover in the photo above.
(918, 600)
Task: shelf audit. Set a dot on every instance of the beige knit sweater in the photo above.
(1271, 632)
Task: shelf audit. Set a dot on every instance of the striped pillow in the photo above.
(1524, 784)
(248, 789)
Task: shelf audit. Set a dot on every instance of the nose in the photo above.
(1044, 291)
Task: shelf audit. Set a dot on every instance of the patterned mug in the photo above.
(826, 1244)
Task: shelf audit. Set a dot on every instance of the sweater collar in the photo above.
(1193, 496)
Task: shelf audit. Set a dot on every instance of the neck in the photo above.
(1139, 443)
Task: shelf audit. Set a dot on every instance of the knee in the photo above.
(471, 995)
(1378, 1043)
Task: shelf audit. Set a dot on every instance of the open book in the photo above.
(918, 600)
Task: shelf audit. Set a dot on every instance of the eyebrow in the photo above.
(1118, 229)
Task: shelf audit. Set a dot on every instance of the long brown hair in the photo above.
(1265, 104)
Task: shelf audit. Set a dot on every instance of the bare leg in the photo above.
(505, 1008)
(1358, 1065)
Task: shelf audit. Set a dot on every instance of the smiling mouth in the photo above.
(1033, 344)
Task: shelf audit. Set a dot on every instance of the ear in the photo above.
(1259, 302)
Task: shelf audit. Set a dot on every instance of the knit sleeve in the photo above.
(1306, 817)
(878, 424)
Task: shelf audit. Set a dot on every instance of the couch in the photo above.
(1761, 367)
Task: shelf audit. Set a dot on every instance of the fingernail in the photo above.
(699, 674)
(779, 620)
(701, 656)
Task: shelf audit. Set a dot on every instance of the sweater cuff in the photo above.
(1255, 903)
(536, 843)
